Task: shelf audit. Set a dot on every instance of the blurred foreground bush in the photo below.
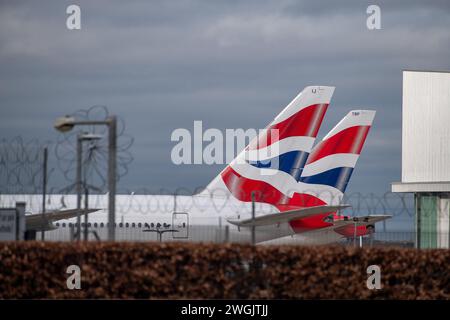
(187, 270)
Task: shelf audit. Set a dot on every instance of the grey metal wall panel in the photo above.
(426, 127)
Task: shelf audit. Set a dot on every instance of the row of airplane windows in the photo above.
(103, 225)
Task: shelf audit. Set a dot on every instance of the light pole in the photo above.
(66, 124)
(80, 138)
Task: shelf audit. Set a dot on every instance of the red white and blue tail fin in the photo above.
(330, 165)
(290, 136)
(332, 160)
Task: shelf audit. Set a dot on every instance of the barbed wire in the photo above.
(21, 173)
(21, 165)
(21, 161)
(95, 152)
(147, 202)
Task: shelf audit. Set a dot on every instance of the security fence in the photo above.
(148, 217)
(22, 179)
(139, 232)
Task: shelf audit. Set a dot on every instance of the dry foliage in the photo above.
(212, 271)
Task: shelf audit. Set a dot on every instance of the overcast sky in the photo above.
(160, 65)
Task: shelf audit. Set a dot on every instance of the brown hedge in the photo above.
(230, 271)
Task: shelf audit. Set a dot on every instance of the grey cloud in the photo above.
(162, 65)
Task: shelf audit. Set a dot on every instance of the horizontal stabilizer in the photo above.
(362, 220)
(286, 216)
(348, 223)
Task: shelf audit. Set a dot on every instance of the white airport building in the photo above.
(426, 154)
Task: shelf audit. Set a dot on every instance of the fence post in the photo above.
(175, 202)
(227, 234)
(418, 214)
(253, 219)
(86, 208)
(78, 183)
(20, 220)
(44, 191)
(72, 232)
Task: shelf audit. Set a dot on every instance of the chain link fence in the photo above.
(134, 232)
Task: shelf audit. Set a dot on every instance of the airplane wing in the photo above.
(286, 216)
(42, 222)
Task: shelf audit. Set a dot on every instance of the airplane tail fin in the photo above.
(332, 160)
(291, 134)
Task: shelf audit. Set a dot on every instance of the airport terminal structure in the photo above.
(426, 154)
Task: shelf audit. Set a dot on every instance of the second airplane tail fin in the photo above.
(332, 160)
